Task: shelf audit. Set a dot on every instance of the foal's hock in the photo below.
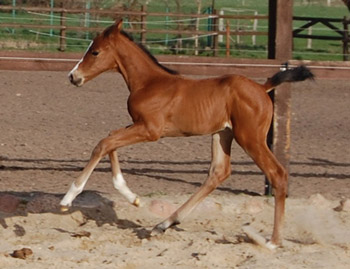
(163, 103)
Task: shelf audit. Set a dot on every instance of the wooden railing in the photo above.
(342, 34)
(142, 16)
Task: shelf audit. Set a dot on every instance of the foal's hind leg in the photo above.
(119, 182)
(219, 170)
(257, 148)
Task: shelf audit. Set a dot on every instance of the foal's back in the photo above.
(205, 106)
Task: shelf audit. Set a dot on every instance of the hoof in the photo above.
(157, 231)
(271, 246)
(64, 208)
(136, 202)
(258, 239)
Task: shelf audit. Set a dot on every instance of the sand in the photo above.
(49, 128)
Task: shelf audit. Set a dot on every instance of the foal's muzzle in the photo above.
(75, 80)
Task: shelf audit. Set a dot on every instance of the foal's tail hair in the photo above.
(299, 73)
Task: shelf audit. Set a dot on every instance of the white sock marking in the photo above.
(120, 185)
(71, 194)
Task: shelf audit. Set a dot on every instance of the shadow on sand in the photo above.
(92, 205)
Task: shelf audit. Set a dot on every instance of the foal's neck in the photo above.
(136, 66)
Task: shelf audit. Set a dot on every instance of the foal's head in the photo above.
(98, 58)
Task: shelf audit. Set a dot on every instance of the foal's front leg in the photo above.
(119, 138)
(119, 182)
(78, 185)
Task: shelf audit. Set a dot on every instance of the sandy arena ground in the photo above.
(48, 129)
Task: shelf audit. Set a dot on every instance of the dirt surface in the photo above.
(48, 129)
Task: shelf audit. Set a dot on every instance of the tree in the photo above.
(347, 3)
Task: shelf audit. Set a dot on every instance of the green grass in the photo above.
(39, 39)
(321, 49)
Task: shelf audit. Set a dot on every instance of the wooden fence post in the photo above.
(255, 27)
(227, 38)
(309, 40)
(216, 36)
(63, 30)
(143, 24)
(346, 39)
(280, 48)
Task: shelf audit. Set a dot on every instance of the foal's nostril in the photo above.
(74, 81)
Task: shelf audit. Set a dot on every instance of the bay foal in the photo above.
(163, 104)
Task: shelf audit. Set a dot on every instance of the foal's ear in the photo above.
(119, 24)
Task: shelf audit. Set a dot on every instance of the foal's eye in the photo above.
(95, 53)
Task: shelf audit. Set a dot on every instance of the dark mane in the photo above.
(145, 50)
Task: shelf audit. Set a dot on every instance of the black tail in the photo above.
(299, 73)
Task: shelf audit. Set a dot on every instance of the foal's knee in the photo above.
(226, 172)
(218, 173)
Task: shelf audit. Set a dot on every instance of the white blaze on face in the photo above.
(74, 72)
